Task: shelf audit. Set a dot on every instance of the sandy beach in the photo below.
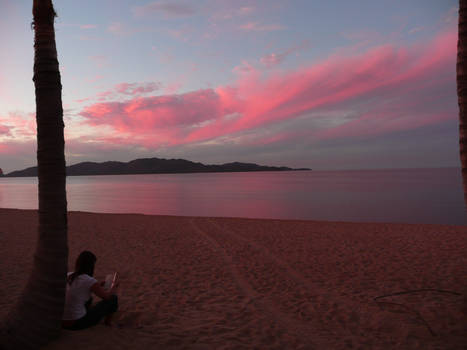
(222, 283)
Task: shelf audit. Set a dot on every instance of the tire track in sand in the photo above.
(267, 283)
(291, 272)
(321, 306)
(305, 288)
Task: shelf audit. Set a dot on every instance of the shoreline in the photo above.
(201, 282)
(315, 221)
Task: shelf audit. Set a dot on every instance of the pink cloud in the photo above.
(4, 130)
(82, 100)
(7, 149)
(4, 149)
(146, 116)
(18, 125)
(363, 83)
(258, 27)
(104, 95)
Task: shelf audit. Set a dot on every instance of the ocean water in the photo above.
(405, 195)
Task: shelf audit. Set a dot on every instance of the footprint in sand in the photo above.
(129, 319)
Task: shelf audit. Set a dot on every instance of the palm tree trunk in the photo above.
(36, 318)
(462, 89)
(461, 70)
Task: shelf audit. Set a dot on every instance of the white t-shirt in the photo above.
(77, 295)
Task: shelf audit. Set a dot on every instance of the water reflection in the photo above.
(414, 196)
(18, 193)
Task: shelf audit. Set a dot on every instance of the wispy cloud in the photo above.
(93, 79)
(259, 27)
(244, 68)
(100, 61)
(77, 25)
(364, 84)
(452, 15)
(88, 37)
(245, 10)
(119, 29)
(169, 9)
(88, 26)
(137, 88)
(415, 30)
(368, 35)
(231, 13)
(273, 59)
(124, 90)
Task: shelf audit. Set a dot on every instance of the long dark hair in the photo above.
(84, 265)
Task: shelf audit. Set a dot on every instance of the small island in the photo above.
(152, 166)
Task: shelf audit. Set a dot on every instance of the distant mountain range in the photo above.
(152, 166)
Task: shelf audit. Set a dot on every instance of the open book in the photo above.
(110, 280)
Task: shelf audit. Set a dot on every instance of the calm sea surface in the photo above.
(410, 196)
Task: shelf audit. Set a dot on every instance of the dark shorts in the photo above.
(95, 314)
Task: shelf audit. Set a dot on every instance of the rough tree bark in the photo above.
(461, 70)
(36, 318)
(462, 89)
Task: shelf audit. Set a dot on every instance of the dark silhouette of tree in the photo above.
(461, 70)
(462, 89)
(36, 317)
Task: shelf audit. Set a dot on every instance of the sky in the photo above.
(328, 85)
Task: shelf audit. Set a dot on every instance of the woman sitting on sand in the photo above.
(79, 313)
